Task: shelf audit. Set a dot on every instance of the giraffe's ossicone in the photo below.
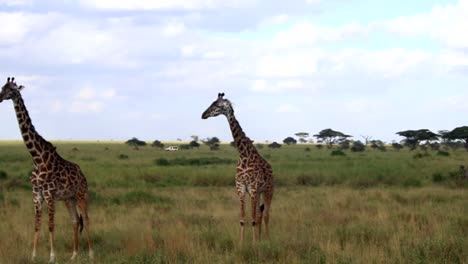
(53, 178)
(254, 174)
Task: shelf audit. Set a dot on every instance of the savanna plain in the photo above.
(153, 206)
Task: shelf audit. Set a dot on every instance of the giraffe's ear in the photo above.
(21, 87)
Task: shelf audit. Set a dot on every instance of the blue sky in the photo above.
(116, 69)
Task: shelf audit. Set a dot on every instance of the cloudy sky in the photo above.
(115, 69)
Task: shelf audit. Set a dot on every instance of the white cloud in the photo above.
(16, 26)
(280, 86)
(213, 55)
(16, 2)
(86, 94)
(56, 106)
(287, 65)
(187, 51)
(307, 34)
(447, 24)
(79, 106)
(456, 102)
(173, 29)
(108, 94)
(288, 108)
(162, 4)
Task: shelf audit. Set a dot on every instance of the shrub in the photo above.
(307, 149)
(3, 175)
(157, 144)
(135, 142)
(274, 145)
(443, 153)
(214, 147)
(412, 182)
(289, 141)
(358, 146)
(194, 144)
(319, 146)
(338, 152)
(259, 146)
(123, 156)
(420, 155)
(397, 146)
(162, 162)
(308, 180)
(438, 177)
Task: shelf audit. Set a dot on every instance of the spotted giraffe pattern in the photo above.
(53, 178)
(254, 174)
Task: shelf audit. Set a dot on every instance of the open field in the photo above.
(152, 206)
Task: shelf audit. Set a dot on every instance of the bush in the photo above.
(420, 155)
(214, 147)
(307, 149)
(397, 146)
(412, 182)
(338, 152)
(443, 153)
(358, 146)
(274, 145)
(438, 177)
(123, 156)
(289, 141)
(162, 162)
(135, 142)
(3, 175)
(308, 180)
(259, 146)
(157, 144)
(194, 144)
(319, 146)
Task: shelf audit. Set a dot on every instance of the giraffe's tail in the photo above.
(80, 222)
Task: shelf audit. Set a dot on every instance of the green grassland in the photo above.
(153, 206)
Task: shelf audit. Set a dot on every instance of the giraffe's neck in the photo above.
(241, 141)
(37, 146)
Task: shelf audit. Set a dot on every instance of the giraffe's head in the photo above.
(219, 107)
(10, 90)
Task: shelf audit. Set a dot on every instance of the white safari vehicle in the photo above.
(172, 148)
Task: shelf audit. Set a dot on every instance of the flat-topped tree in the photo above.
(53, 178)
(459, 133)
(414, 137)
(330, 137)
(254, 174)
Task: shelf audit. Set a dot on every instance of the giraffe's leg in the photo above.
(51, 211)
(267, 198)
(253, 207)
(38, 200)
(242, 215)
(71, 206)
(258, 220)
(83, 206)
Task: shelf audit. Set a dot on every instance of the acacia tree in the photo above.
(302, 136)
(459, 133)
(414, 137)
(330, 137)
(289, 141)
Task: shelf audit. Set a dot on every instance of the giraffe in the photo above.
(53, 178)
(254, 174)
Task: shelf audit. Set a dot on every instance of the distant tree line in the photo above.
(413, 139)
